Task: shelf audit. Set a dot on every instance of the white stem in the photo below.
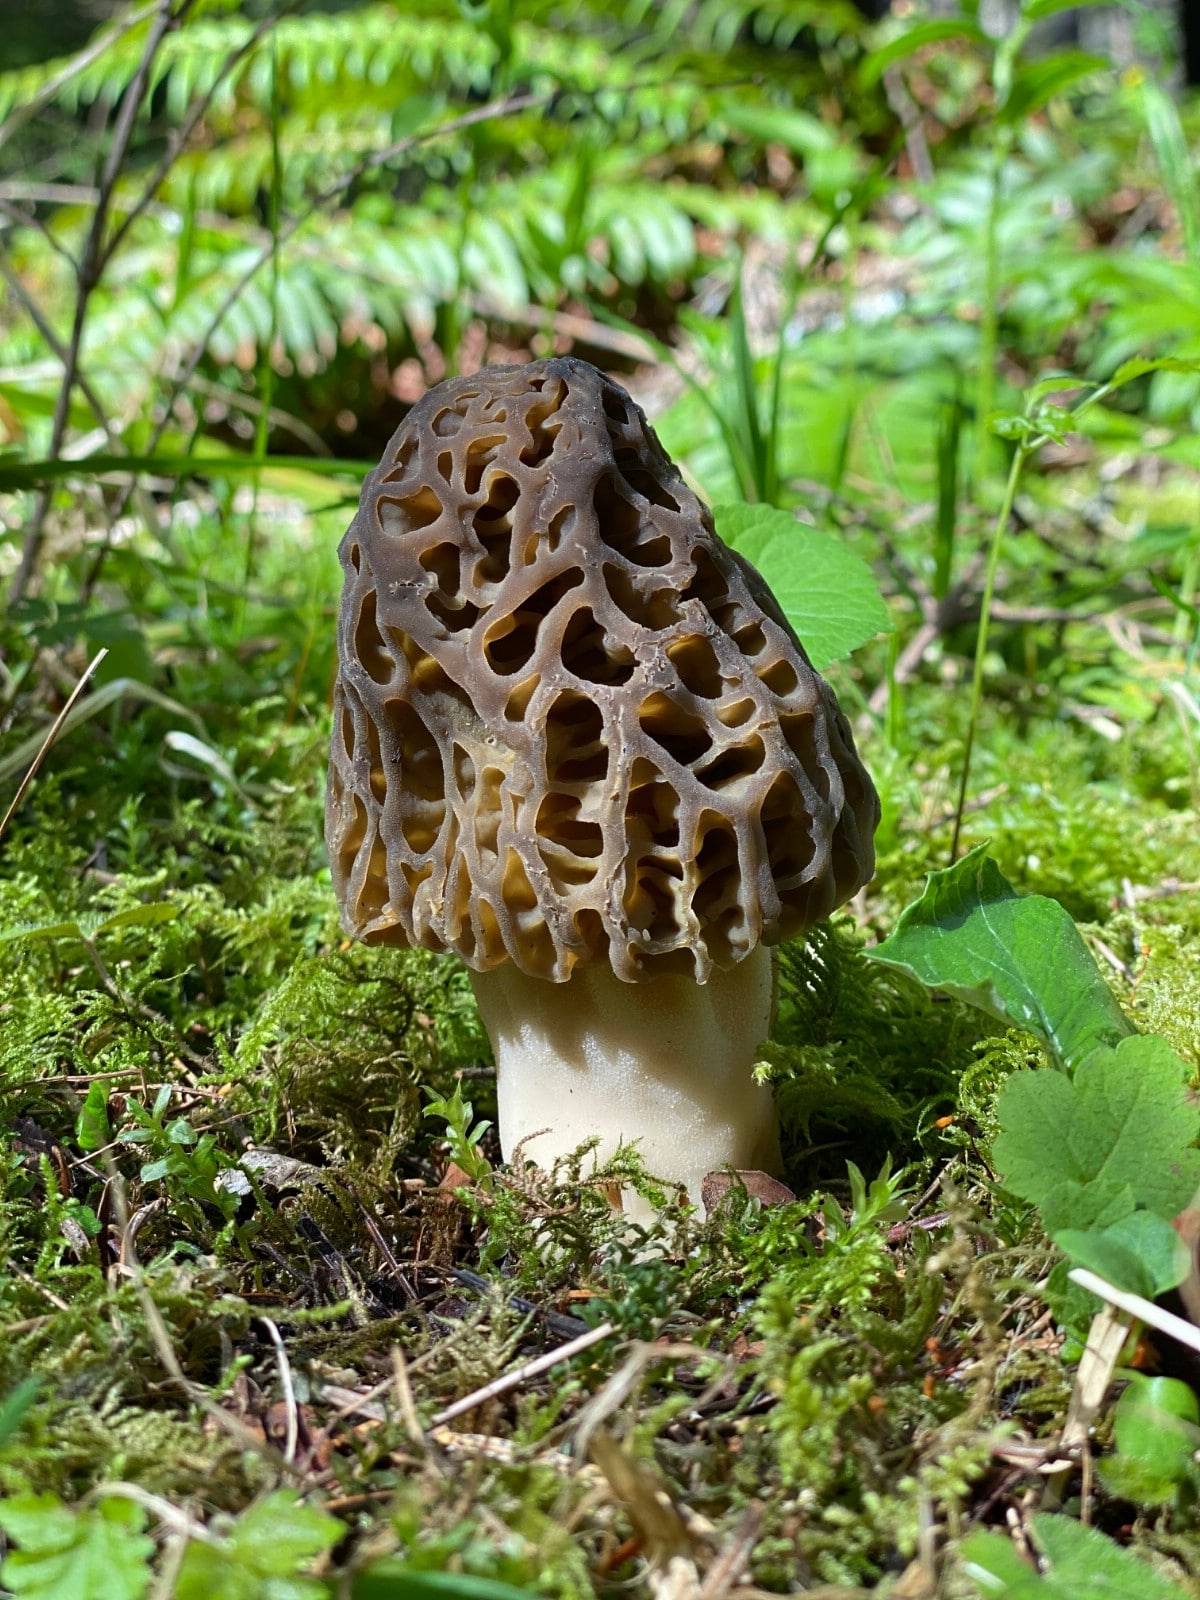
(664, 1064)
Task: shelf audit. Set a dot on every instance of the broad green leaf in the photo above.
(1124, 1123)
(395, 1580)
(44, 930)
(92, 1128)
(88, 929)
(1156, 1429)
(264, 1555)
(825, 589)
(936, 32)
(799, 130)
(1141, 1253)
(1018, 957)
(62, 1554)
(1084, 1564)
(1039, 81)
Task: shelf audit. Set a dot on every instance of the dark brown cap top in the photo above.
(569, 723)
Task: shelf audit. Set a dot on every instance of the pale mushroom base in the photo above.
(666, 1065)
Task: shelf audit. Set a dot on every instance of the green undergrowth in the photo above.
(180, 1011)
(878, 290)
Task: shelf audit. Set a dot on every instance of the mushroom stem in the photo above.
(665, 1064)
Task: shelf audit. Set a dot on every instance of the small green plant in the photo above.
(101, 1552)
(463, 1133)
(261, 1555)
(1078, 1561)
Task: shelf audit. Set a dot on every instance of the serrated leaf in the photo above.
(1124, 1121)
(264, 1555)
(1139, 366)
(63, 1554)
(1018, 957)
(1084, 1564)
(826, 590)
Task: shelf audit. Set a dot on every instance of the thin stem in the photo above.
(77, 64)
(35, 314)
(989, 320)
(87, 275)
(183, 133)
(1020, 456)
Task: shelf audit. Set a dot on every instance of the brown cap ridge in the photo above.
(570, 725)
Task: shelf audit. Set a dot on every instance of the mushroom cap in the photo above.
(571, 725)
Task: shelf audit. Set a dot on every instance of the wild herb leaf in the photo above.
(264, 1555)
(1122, 1127)
(1018, 957)
(1156, 1433)
(1141, 1253)
(1107, 1158)
(63, 1554)
(826, 590)
(1084, 1564)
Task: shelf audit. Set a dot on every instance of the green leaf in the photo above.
(826, 590)
(147, 916)
(767, 124)
(1018, 957)
(92, 1128)
(1156, 1427)
(395, 1580)
(1039, 81)
(263, 1556)
(1124, 1124)
(935, 32)
(1084, 1564)
(64, 1554)
(14, 1406)
(1170, 142)
(1141, 1253)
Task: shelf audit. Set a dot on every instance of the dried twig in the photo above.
(1178, 1328)
(530, 1369)
(288, 1387)
(51, 735)
(729, 1565)
(21, 114)
(87, 275)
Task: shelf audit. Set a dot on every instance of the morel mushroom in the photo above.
(577, 744)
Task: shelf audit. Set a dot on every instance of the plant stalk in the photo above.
(1020, 456)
